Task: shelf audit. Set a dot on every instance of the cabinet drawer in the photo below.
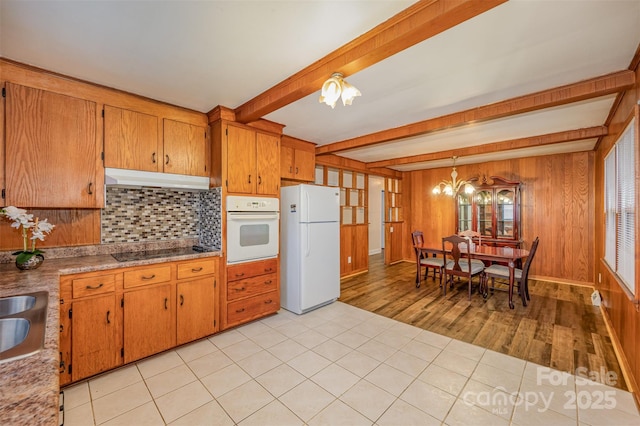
(196, 268)
(251, 269)
(252, 307)
(90, 286)
(251, 286)
(138, 277)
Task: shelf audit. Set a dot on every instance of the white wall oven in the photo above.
(252, 228)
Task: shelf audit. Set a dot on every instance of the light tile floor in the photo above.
(340, 365)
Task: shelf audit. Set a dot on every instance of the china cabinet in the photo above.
(493, 210)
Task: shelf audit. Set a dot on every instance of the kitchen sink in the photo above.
(16, 304)
(13, 331)
(22, 325)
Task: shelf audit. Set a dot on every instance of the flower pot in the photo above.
(33, 263)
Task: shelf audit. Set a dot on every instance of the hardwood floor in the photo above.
(559, 328)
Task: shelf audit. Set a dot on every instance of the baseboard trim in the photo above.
(622, 359)
(562, 281)
(375, 251)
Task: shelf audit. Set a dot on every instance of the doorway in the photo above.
(376, 209)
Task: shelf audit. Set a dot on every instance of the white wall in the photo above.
(376, 185)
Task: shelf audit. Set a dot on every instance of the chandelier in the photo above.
(337, 87)
(453, 186)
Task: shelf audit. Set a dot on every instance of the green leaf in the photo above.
(24, 256)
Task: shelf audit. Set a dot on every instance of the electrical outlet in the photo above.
(599, 278)
(390, 229)
(349, 259)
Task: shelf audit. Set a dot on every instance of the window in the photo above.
(619, 204)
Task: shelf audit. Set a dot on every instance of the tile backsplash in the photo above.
(159, 214)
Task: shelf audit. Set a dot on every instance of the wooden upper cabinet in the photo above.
(267, 161)
(252, 161)
(53, 156)
(185, 148)
(241, 160)
(131, 140)
(297, 160)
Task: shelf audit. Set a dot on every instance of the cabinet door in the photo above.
(52, 152)
(305, 165)
(267, 159)
(287, 163)
(131, 140)
(241, 160)
(95, 346)
(505, 214)
(149, 322)
(196, 313)
(484, 206)
(185, 148)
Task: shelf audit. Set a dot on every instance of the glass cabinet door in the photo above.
(505, 213)
(465, 215)
(484, 205)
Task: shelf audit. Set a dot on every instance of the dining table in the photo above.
(500, 254)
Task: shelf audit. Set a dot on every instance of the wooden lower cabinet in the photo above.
(196, 316)
(252, 307)
(149, 325)
(95, 347)
(114, 317)
(252, 291)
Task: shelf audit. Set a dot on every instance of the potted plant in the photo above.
(27, 258)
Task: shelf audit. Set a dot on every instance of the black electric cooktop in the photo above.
(128, 256)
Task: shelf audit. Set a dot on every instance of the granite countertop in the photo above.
(29, 390)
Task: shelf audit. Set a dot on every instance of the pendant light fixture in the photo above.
(336, 87)
(453, 186)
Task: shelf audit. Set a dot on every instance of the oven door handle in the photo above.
(252, 216)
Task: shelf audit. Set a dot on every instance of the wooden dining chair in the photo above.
(434, 262)
(455, 264)
(520, 276)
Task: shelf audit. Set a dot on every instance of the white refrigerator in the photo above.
(309, 247)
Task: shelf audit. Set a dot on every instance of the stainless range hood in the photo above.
(137, 178)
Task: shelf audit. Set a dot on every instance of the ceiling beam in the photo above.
(587, 89)
(417, 23)
(532, 141)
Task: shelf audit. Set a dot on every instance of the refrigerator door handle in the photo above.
(308, 248)
(308, 207)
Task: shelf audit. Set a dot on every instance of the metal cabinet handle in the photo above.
(240, 275)
(89, 189)
(167, 157)
(149, 278)
(181, 300)
(153, 158)
(296, 170)
(268, 282)
(239, 310)
(240, 289)
(259, 180)
(290, 169)
(249, 178)
(268, 269)
(165, 303)
(196, 269)
(108, 319)
(90, 287)
(267, 302)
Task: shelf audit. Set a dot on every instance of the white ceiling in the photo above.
(199, 54)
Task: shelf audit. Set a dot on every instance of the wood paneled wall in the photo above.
(557, 206)
(622, 313)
